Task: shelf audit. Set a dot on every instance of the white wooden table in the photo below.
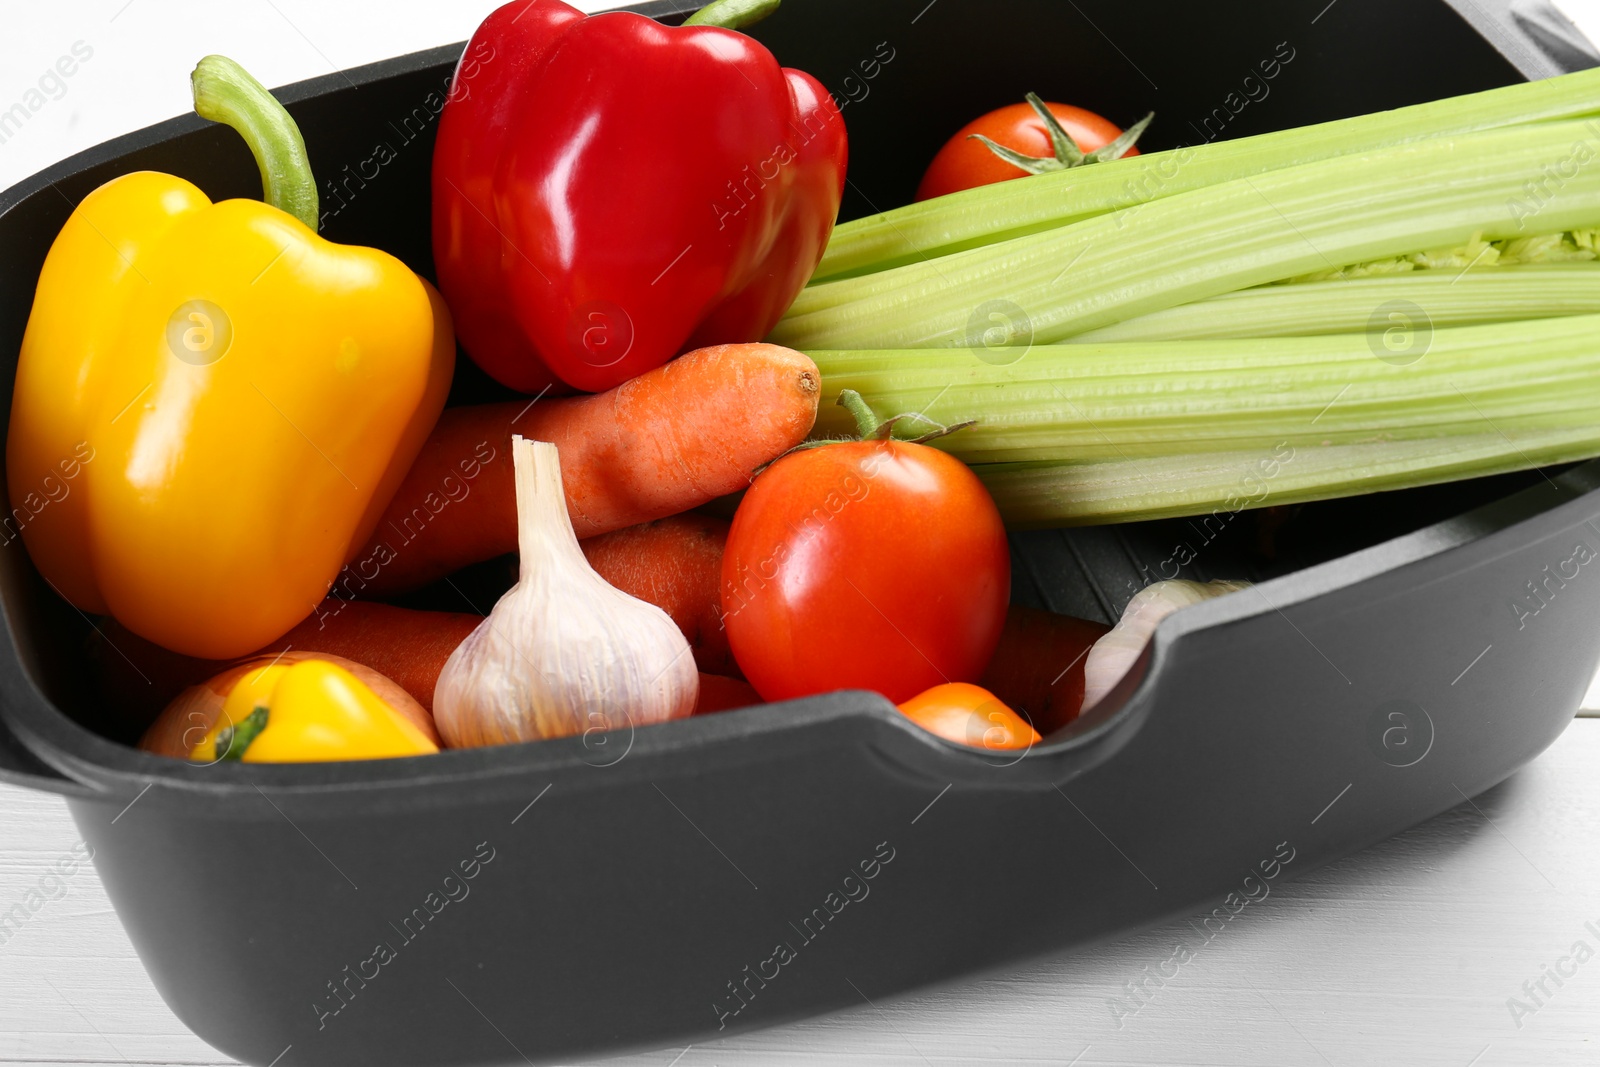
(1405, 954)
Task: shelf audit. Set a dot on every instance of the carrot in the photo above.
(724, 694)
(1038, 666)
(137, 678)
(675, 564)
(408, 646)
(667, 441)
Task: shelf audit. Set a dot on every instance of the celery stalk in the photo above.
(1123, 401)
(1220, 484)
(1016, 208)
(1234, 235)
(1436, 299)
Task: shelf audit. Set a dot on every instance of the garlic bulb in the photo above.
(1116, 651)
(563, 652)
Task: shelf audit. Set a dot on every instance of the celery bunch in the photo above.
(1396, 299)
(1305, 309)
(976, 217)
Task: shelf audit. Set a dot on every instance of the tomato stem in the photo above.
(868, 425)
(1067, 154)
(871, 428)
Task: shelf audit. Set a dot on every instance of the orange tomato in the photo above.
(970, 715)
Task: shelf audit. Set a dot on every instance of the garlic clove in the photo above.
(563, 652)
(1117, 650)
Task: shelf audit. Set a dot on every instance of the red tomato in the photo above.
(965, 163)
(875, 565)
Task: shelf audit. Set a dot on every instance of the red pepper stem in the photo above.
(732, 14)
(225, 92)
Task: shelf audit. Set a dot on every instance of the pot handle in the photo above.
(19, 766)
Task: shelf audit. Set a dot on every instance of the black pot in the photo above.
(563, 899)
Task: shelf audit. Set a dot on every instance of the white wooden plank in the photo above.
(1585, 14)
(1405, 954)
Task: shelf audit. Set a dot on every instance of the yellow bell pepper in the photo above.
(213, 404)
(308, 711)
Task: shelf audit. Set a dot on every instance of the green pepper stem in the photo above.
(225, 92)
(732, 14)
(234, 739)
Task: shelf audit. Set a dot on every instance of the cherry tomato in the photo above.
(876, 565)
(970, 715)
(965, 163)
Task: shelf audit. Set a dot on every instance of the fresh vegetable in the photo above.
(1573, 246)
(237, 398)
(306, 712)
(1363, 305)
(562, 653)
(409, 646)
(138, 678)
(192, 714)
(675, 564)
(969, 715)
(1116, 652)
(870, 564)
(724, 694)
(1077, 403)
(1120, 188)
(1037, 667)
(1436, 299)
(609, 191)
(1024, 139)
(1221, 484)
(1200, 244)
(670, 440)
(1118, 431)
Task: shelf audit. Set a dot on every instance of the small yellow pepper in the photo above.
(308, 711)
(213, 404)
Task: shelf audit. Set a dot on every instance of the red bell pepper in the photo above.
(609, 192)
